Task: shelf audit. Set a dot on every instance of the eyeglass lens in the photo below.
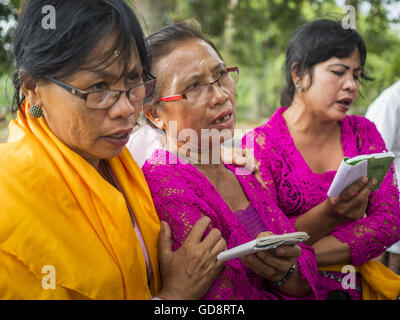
(105, 99)
(202, 92)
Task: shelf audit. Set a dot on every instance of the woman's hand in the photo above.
(188, 272)
(273, 266)
(243, 158)
(353, 201)
(270, 265)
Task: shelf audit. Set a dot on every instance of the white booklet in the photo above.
(265, 243)
(374, 165)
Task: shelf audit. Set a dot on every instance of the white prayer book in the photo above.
(260, 244)
(374, 165)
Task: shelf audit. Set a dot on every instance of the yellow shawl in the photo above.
(58, 211)
(377, 281)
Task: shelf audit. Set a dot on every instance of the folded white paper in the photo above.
(374, 165)
(265, 243)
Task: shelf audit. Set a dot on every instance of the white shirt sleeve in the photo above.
(144, 142)
(385, 113)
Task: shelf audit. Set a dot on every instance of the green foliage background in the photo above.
(253, 34)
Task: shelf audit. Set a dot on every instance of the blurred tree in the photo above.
(254, 35)
(8, 14)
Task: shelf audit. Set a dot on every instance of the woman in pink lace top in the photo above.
(197, 92)
(302, 145)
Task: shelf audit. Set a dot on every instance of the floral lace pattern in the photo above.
(182, 195)
(295, 188)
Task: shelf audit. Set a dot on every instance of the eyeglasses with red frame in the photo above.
(227, 79)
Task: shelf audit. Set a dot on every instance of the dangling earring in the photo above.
(299, 87)
(35, 111)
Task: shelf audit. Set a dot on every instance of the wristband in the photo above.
(285, 278)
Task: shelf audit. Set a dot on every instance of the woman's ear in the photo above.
(300, 77)
(297, 73)
(150, 112)
(29, 89)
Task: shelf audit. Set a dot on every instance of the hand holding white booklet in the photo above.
(374, 165)
(260, 244)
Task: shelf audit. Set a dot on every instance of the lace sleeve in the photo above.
(370, 236)
(276, 218)
(177, 197)
(176, 204)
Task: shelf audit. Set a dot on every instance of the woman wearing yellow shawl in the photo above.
(77, 220)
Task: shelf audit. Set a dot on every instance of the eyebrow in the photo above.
(218, 66)
(199, 76)
(343, 65)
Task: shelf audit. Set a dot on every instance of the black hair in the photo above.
(316, 42)
(164, 40)
(80, 26)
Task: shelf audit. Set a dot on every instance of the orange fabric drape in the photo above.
(57, 210)
(377, 281)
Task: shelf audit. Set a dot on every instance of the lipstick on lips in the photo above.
(345, 103)
(223, 117)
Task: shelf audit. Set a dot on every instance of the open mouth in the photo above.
(222, 119)
(346, 102)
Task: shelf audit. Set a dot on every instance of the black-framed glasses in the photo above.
(227, 79)
(103, 99)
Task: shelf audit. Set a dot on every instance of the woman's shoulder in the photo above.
(274, 124)
(268, 132)
(163, 161)
(359, 122)
(166, 170)
(22, 158)
(360, 126)
(365, 133)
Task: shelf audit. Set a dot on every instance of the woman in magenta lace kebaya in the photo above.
(198, 92)
(303, 143)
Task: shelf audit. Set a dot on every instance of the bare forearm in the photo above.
(330, 250)
(317, 222)
(296, 286)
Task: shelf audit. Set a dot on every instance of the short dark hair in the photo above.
(316, 42)
(166, 39)
(80, 25)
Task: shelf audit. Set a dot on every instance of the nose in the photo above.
(218, 94)
(122, 107)
(351, 84)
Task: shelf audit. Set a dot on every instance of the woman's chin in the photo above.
(336, 115)
(110, 153)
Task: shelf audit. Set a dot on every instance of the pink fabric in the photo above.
(294, 188)
(182, 195)
(251, 220)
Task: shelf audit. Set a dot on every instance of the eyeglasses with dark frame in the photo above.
(228, 79)
(103, 99)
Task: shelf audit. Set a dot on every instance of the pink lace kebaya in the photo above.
(293, 189)
(182, 195)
